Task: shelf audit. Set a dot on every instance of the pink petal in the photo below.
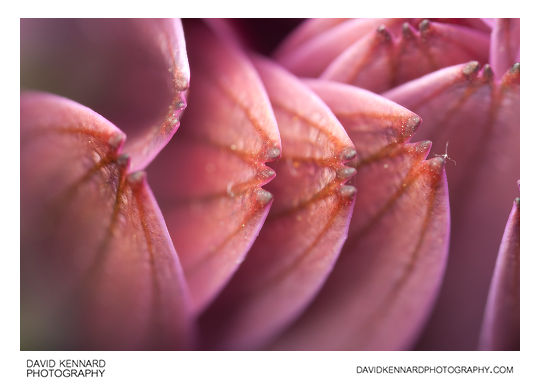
(504, 50)
(380, 291)
(305, 230)
(212, 201)
(479, 118)
(312, 57)
(500, 329)
(306, 31)
(384, 283)
(482, 25)
(98, 270)
(134, 72)
(381, 61)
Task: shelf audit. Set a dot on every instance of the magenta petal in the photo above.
(306, 227)
(372, 121)
(382, 60)
(385, 280)
(500, 329)
(212, 201)
(482, 25)
(384, 283)
(306, 31)
(479, 118)
(311, 57)
(504, 45)
(98, 269)
(132, 71)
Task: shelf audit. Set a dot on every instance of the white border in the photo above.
(268, 367)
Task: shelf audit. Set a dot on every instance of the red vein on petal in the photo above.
(326, 191)
(153, 325)
(406, 182)
(91, 276)
(249, 159)
(253, 212)
(454, 110)
(399, 47)
(375, 44)
(281, 275)
(322, 162)
(277, 105)
(68, 130)
(245, 109)
(475, 163)
(372, 322)
(102, 249)
(235, 190)
(437, 92)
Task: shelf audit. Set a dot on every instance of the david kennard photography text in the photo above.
(65, 368)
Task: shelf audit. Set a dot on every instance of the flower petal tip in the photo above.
(263, 197)
(471, 68)
(123, 160)
(116, 141)
(137, 178)
(347, 192)
(348, 154)
(383, 34)
(424, 26)
(345, 173)
(273, 153)
(411, 125)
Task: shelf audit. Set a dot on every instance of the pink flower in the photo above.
(346, 247)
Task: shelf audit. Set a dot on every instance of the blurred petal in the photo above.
(483, 25)
(305, 230)
(306, 31)
(310, 58)
(500, 330)
(504, 45)
(479, 118)
(382, 61)
(212, 200)
(98, 269)
(132, 71)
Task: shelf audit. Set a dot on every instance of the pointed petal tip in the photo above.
(515, 68)
(345, 173)
(512, 75)
(116, 141)
(266, 175)
(437, 162)
(123, 160)
(181, 103)
(137, 178)
(411, 125)
(348, 154)
(347, 192)
(487, 72)
(436, 168)
(406, 31)
(424, 26)
(471, 68)
(263, 197)
(383, 34)
(273, 153)
(422, 148)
